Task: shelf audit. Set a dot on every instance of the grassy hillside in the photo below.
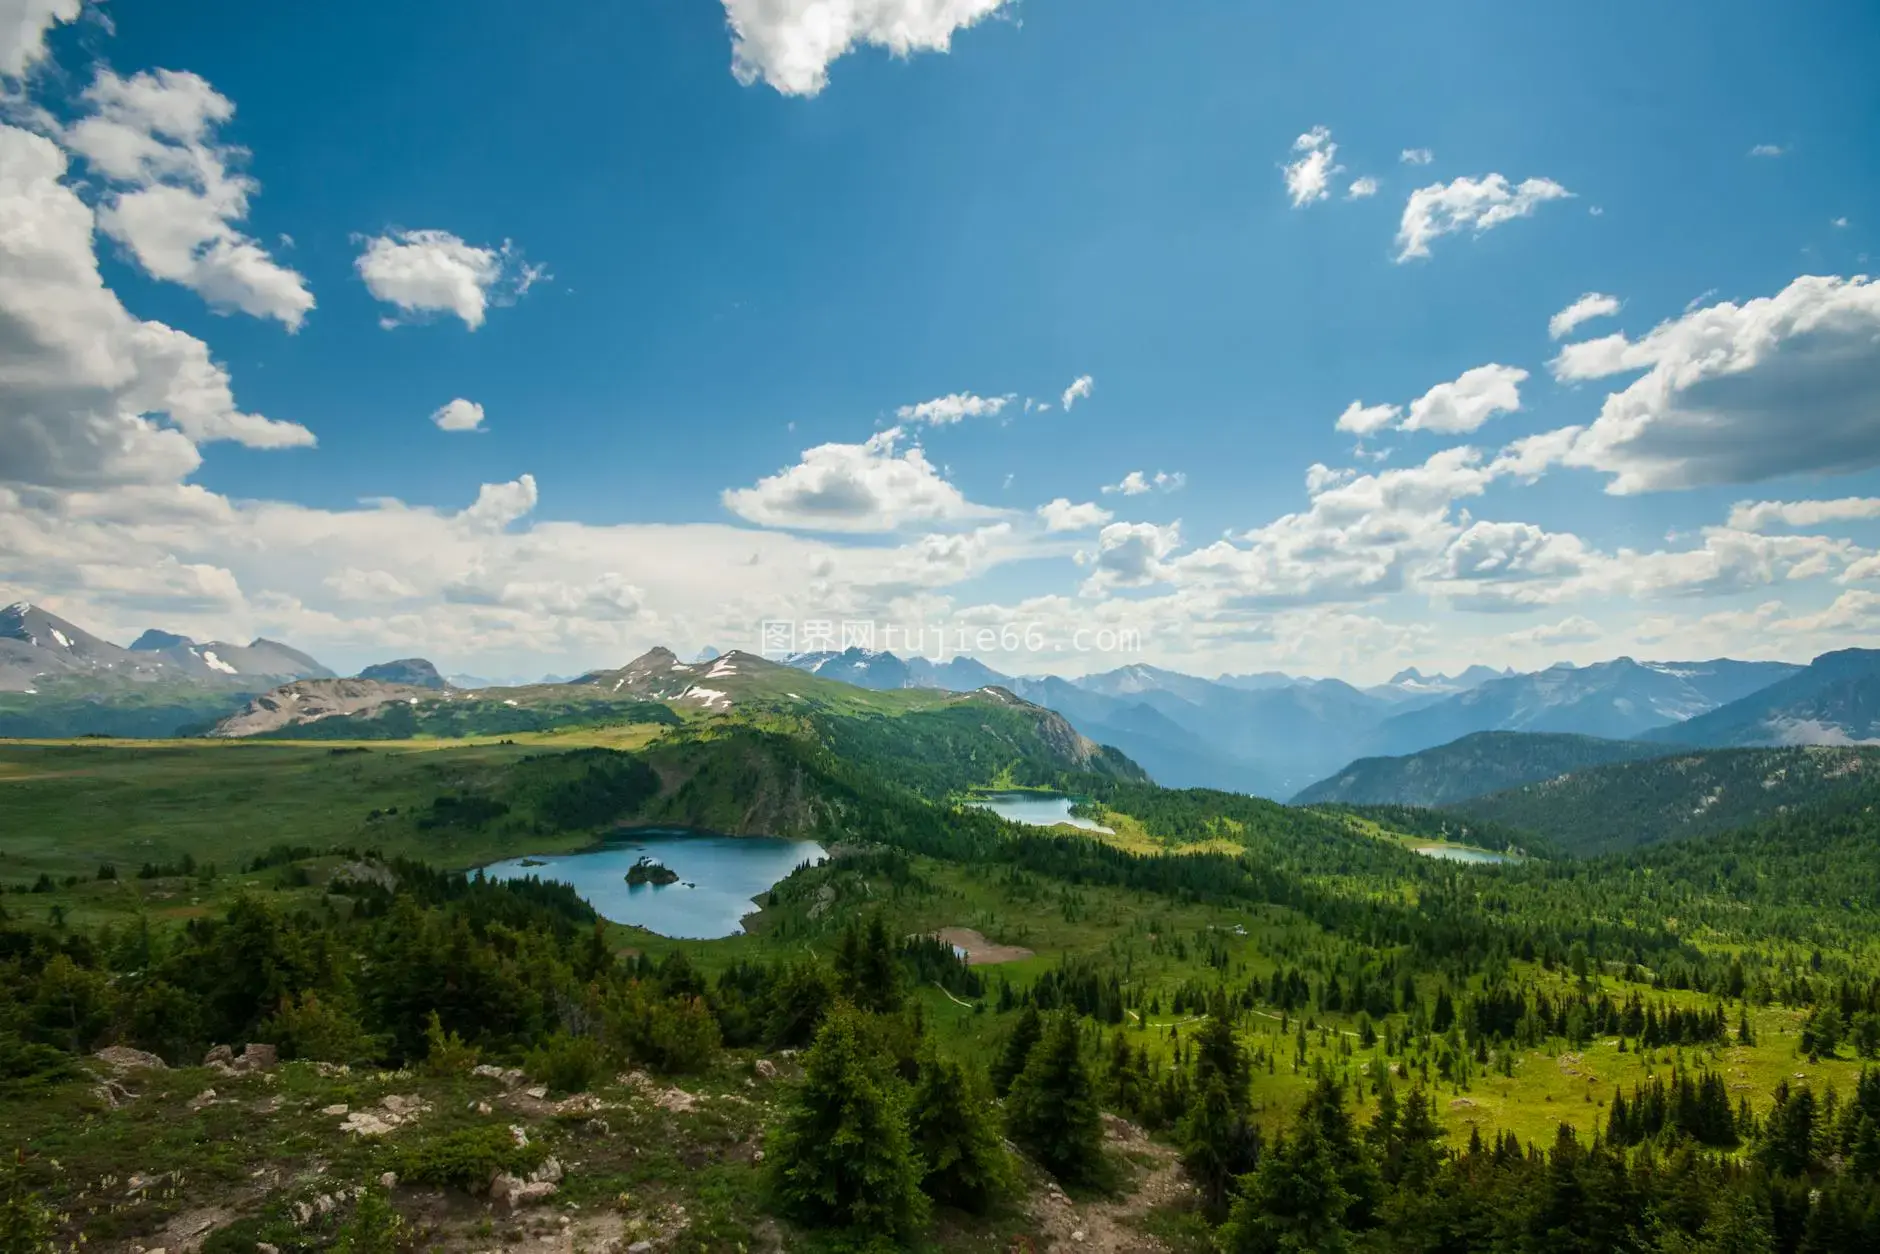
(1629, 804)
(1470, 767)
(60, 708)
(1509, 1000)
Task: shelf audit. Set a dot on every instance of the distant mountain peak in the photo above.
(416, 671)
(155, 638)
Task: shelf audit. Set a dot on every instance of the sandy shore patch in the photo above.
(979, 950)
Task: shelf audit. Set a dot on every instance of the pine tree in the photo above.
(1294, 1203)
(868, 967)
(1052, 1108)
(1218, 1143)
(954, 1133)
(1012, 1059)
(843, 1157)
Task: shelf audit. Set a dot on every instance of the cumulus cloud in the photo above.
(1416, 156)
(1129, 555)
(1362, 419)
(1061, 515)
(854, 487)
(430, 271)
(1082, 386)
(1136, 483)
(23, 27)
(944, 410)
(1361, 188)
(499, 504)
(1591, 305)
(175, 197)
(1783, 384)
(1762, 515)
(790, 44)
(1577, 629)
(1361, 535)
(1471, 400)
(1468, 204)
(85, 381)
(1309, 175)
(1509, 550)
(1452, 408)
(1767, 150)
(459, 415)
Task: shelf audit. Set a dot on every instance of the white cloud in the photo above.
(1136, 483)
(854, 487)
(1362, 419)
(1061, 515)
(499, 504)
(1416, 156)
(1082, 386)
(1762, 515)
(1767, 150)
(1839, 222)
(790, 44)
(1129, 555)
(1361, 536)
(459, 415)
(352, 584)
(1361, 187)
(23, 27)
(174, 197)
(1784, 384)
(1466, 203)
(432, 271)
(1585, 309)
(943, 410)
(1577, 629)
(1471, 400)
(1509, 551)
(1309, 176)
(83, 378)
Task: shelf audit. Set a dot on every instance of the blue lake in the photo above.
(720, 878)
(1039, 809)
(1454, 853)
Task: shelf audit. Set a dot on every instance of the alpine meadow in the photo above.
(1348, 720)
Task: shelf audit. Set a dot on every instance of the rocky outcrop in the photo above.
(309, 700)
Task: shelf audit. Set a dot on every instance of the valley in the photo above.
(632, 899)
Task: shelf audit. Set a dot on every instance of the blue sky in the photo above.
(726, 271)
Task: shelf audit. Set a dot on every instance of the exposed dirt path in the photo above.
(979, 950)
(1109, 1226)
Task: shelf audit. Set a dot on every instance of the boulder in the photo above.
(766, 1069)
(124, 1058)
(515, 1192)
(221, 1053)
(259, 1057)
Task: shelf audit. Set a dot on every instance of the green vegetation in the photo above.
(459, 717)
(1339, 1043)
(1473, 766)
(1622, 806)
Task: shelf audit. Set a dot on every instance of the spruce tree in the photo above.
(1052, 1108)
(842, 1156)
(1012, 1059)
(951, 1122)
(1218, 1144)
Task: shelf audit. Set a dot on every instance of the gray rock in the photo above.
(124, 1058)
(259, 1057)
(221, 1053)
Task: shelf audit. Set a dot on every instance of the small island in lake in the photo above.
(533, 862)
(646, 871)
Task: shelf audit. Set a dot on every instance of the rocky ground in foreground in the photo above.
(246, 1154)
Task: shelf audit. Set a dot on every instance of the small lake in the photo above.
(720, 878)
(1456, 853)
(1039, 809)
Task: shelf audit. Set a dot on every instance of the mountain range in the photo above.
(1268, 733)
